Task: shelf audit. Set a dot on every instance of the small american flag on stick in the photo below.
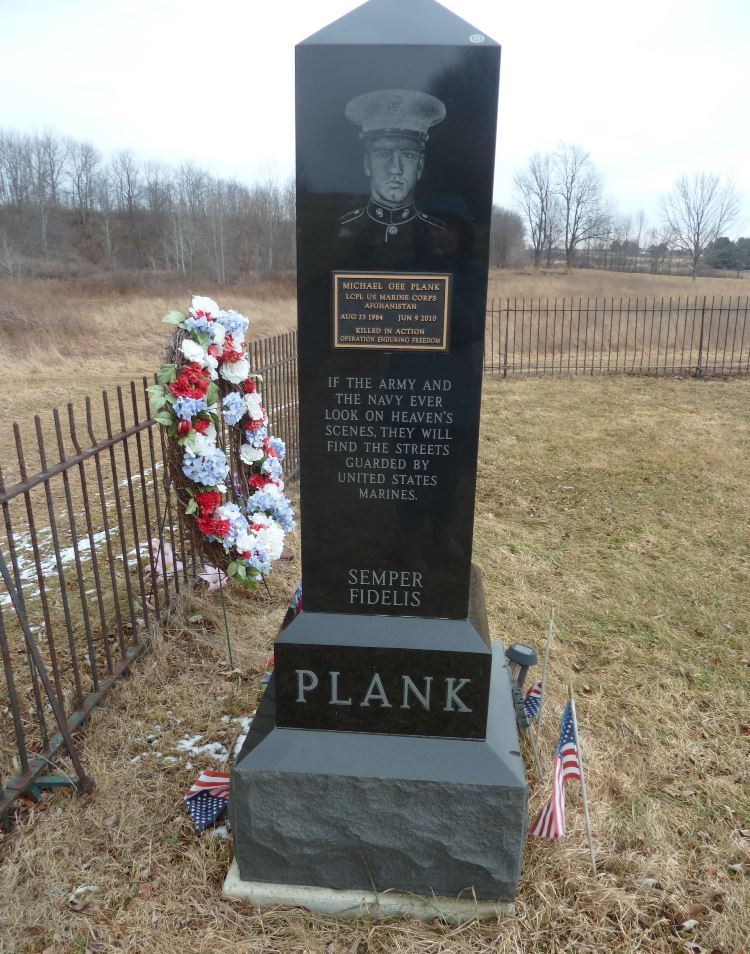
(550, 822)
(208, 798)
(532, 700)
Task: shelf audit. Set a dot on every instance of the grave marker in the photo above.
(385, 751)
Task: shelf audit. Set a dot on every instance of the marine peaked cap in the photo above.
(407, 112)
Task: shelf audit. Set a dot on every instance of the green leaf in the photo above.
(166, 373)
(203, 339)
(155, 389)
(232, 569)
(241, 570)
(165, 419)
(192, 507)
(156, 403)
(212, 395)
(174, 318)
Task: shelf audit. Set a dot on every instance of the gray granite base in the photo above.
(377, 813)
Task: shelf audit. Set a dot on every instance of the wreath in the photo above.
(226, 469)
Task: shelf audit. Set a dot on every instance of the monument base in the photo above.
(377, 813)
(361, 904)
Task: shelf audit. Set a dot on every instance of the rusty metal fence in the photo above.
(703, 337)
(92, 557)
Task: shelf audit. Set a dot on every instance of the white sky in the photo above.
(651, 88)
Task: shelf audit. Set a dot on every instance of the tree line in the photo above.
(560, 197)
(64, 209)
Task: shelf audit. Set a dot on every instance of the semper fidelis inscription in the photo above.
(389, 710)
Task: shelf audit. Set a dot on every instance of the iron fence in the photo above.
(92, 556)
(691, 336)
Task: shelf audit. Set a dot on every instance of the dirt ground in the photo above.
(622, 506)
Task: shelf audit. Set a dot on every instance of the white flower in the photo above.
(245, 540)
(235, 371)
(254, 408)
(212, 364)
(218, 333)
(208, 305)
(202, 446)
(250, 455)
(271, 539)
(193, 352)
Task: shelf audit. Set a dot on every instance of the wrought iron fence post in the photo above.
(698, 369)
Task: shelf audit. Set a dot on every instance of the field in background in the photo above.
(621, 503)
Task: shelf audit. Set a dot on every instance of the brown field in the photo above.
(590, 283)
(624, 505)
(79, 338)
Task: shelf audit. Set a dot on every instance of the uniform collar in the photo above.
(385, 216)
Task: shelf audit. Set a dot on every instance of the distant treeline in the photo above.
(64, 210)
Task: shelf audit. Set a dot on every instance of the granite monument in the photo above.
(384, 756)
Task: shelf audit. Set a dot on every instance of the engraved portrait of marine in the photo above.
(394, 129)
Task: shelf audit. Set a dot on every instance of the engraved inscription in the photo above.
(393, 312)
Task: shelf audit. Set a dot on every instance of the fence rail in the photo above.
(92, 556)
(704, 337)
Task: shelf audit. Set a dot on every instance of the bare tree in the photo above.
(697, 211)
(506, 238)
(83, 163)
(536, 199)
(578, 186)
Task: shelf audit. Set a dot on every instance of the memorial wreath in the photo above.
(226, 469)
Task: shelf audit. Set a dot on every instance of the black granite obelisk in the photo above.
(385, 753)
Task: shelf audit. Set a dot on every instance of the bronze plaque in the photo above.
(402, 311)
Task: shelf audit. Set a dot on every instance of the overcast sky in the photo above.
(651, 88)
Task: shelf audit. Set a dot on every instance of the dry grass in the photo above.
(622, 503)
(589, 283)
(78, 339)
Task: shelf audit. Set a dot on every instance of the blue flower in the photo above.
(186, 407)
(199, 325)
(275, 504)
(278, 446)
(233, 322)
(234, 408)
(256, 438)
(207, 471)
(273, 468)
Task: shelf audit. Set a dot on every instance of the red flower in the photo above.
(207, 502)
(230, 353)
(255, 425)
(204, 314)
(259, 481)
(249, 386)
(213, 527)
(213, 350)
(246, 555)
(183, 428)
(201, 425)
(267, 447)
(192, 381)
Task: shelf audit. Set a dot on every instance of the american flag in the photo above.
(532, 700)
(550, 822)
(208, 798)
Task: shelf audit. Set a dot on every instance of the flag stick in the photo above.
(583, 779)
(535, 752)
(550, 628)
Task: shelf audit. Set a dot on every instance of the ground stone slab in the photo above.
(358, 904)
